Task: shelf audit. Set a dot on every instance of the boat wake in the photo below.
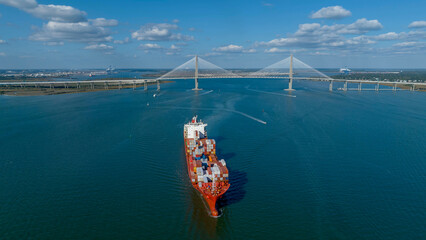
(246, 115)
(183, 98)
(273, 93)
(216, 109)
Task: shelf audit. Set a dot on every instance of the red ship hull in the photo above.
(209, 193)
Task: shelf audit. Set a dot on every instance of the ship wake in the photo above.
(217, 109)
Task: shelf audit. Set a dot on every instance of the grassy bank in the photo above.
(46, 90)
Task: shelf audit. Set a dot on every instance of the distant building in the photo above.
(345, 70)
(110, 70)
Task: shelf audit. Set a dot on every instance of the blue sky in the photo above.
(231, 34)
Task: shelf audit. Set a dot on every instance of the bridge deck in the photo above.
(141, 81)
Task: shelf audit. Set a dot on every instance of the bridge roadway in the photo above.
(117, 81)
(134, 82)
(78, 84)
(325, 79)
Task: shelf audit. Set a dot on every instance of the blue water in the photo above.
(111, 165)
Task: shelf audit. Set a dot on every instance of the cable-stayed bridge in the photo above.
(197, 68)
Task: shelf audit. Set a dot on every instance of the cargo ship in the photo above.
(208, 175)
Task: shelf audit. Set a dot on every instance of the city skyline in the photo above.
(237, 34)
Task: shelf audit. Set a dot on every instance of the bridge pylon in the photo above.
(196, 75)
(290, 81)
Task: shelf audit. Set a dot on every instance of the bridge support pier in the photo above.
(196, 85)
(106, 85)
(394, 87)
(413, 87)
(360, 86)
(158, 85)
(134, 85)
(92, 86)
(196, 75)
(119, 85)
(345, 86)
(377, 87)
(290, 82)
(145, 85)
(330, 87)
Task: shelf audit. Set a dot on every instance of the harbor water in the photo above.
(310, 164)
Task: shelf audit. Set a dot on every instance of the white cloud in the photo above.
(160, 32)
(324, 39)
(2, 54)
(315, 35)
(175, 21)
(173, 50)
(20, 3)
(413, 35)
(336, 44)
(58, 13)
(281, 42)
(229, 48)
(333, 12)
(417, 24)
(54, 43)
(410, 44)
(276, 50)
(251, 50)
(2, 41)
(308, 35)
(102, 22)
(126, 40)
(359, 40)
(150, 46)
(99, 47)
(317, 53)
(407, 36)
(65, 23)
(78, 32)
(233, 49)
(362, 26)
(387, 36)
(284, 50)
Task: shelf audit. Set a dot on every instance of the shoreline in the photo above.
(45, 90)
